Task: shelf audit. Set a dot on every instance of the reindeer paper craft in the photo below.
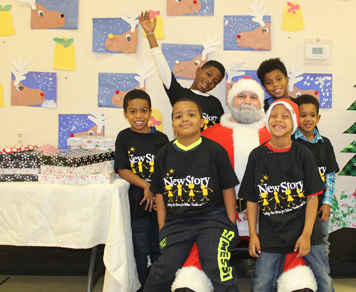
(190, 7)
(246, 33)
(43, 18)
(116, 35)
(114, 86)
(317, 85)
(72, 125)
(32, 88)
(184, 60)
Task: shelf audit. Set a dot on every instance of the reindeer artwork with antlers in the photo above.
(116, 35)
(45, 17)
(184, 60)
(31, 88)
(190, 7)
(73, 125)
(248, 32)
(114, 86)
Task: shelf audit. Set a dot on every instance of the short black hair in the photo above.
(191, 100)
(217, 65)
(268, 66)
(136, 94)
(307, 98)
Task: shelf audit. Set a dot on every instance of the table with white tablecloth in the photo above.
(73, 216)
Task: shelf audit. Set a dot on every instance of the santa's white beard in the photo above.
(246, 114)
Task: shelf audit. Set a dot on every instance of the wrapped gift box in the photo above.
(21, 156)
(19, 164)
(75, 157)
(78, 171)
(92, 142)
(98, 178)
(18, 177)
(20, 170)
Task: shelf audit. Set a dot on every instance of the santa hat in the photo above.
(246, 84)
(192, 278)
(296, 275)
(291, 106)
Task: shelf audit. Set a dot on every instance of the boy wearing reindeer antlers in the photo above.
(207, 77)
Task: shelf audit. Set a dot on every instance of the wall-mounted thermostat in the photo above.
(317, 51)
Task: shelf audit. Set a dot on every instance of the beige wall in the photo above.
(78, 90)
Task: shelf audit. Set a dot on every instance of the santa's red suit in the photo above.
(239, 140)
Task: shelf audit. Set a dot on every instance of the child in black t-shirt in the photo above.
(273, 76)
(207, 78)
(322, 149)
(282, 178)
(135, 151)
(194, 185)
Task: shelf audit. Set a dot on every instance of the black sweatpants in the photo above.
(215, 235)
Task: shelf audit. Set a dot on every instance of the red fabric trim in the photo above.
(277, 150)
(316, 194)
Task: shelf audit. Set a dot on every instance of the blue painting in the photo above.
(39, 89)
(114, 35)
(241, 33)
(113, 88)
(73, 125)
(190, 7)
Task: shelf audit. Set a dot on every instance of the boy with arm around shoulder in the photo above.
(135, 151)
(282, 178)
(323, 152)
(207, 78)
(194, 185)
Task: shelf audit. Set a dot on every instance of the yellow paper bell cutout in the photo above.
(159, 33)
(2, 103)
(6, 26)
(292, 17)
(64, 56)
(156, 120)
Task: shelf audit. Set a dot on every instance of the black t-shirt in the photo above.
(137, 152)
(191, 182)
(211, 106)
(324, 155)
(269, 100)
(280, 182)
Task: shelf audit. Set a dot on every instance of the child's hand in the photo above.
(254, 246)
(325, 212)
(146, 23)
(154, 204)
(148, 197)
(303, 245)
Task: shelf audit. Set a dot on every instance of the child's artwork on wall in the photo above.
(116, 35)
(343, 211)
(159, 33)
(190, 7)
(32, 88)
(64, 54)
(72, 125)
(156, 120)
(114, 86)
(53, 14)
(237, 71)
(184, 60)
(2, 103)
(6, 25)
(292, 17)
(248, 33)
(316, 84)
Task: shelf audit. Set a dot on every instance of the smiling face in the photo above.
(276, 84)
(280, 121)
(187, 122)
(308, 119)
(138, 114)
(206, 79)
